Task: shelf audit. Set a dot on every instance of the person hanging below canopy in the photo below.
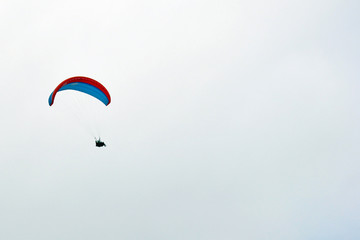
(99, 143)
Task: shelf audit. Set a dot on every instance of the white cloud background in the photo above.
(229, 120)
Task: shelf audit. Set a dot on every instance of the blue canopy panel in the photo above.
(85, 88)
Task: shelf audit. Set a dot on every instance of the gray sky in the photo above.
(229, 120)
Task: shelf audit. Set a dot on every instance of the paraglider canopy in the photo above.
(85, 85)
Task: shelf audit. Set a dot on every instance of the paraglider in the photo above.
(88, 86)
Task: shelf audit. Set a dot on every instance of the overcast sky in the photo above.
(229, 120)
